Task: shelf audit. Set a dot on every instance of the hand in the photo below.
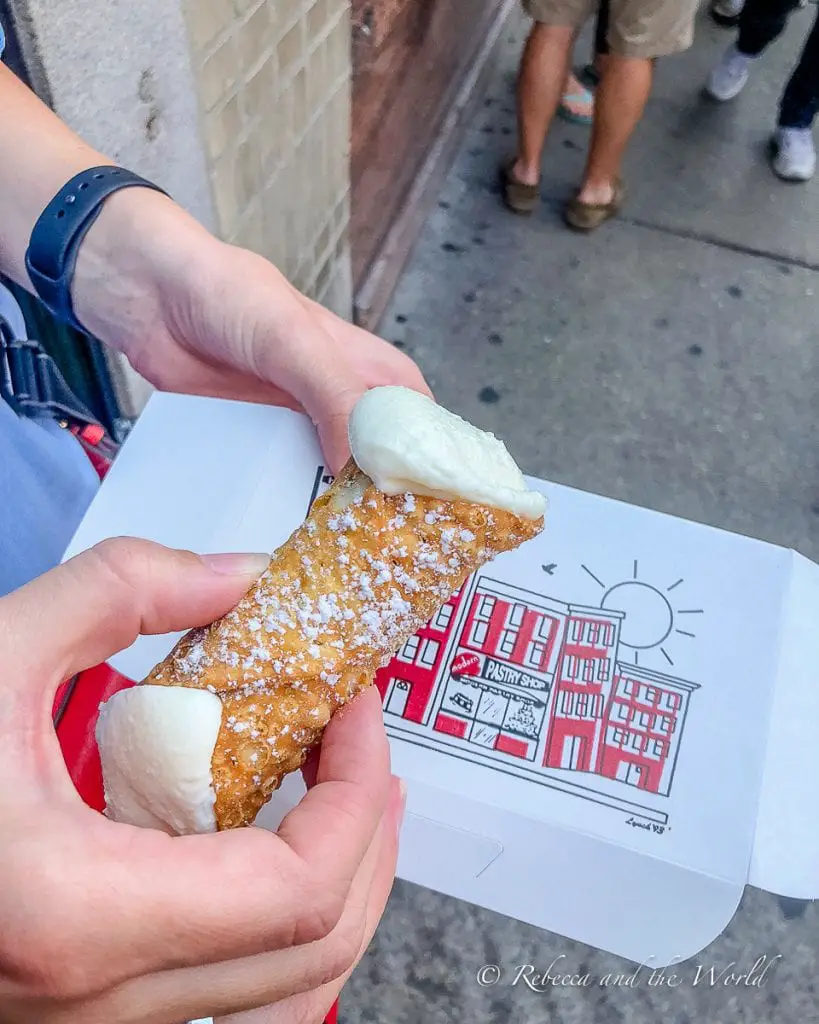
(198, 316)
(102, 923)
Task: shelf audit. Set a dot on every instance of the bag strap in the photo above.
(32, 383)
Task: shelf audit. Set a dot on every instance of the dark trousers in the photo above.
(760, 23)
(601, 42)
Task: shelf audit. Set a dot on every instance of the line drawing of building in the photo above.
(408, 682)
(522, 677)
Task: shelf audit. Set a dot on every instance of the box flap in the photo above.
(632, 905)
(786, 844)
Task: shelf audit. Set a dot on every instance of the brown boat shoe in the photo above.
(588, 216)
(518, 196)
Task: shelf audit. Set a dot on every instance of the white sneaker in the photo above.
(729, 77)
(794, 154)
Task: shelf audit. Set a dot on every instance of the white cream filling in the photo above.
(405, 442)
(156, 744)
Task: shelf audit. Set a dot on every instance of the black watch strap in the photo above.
(60, 229)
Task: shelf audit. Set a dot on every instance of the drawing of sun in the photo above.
(651, 620)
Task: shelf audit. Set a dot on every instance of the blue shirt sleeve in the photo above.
(2, 40)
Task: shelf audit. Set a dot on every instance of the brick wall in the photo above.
(273, 83)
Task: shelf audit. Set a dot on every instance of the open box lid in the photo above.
(604, 733)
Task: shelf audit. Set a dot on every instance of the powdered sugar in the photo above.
(335, 599)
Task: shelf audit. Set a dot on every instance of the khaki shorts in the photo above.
(637, 28)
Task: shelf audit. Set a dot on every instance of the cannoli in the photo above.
(425, 500)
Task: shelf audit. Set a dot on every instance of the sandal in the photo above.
(584, 96)
(588, 216)
(518, 196)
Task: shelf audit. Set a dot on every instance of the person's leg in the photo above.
(543, 72)
(619, 103)
(794, 148)
(593, 71)
(601, 37)
(638, 32)
(760, 23)
(800, 101)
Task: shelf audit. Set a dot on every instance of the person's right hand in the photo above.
(103, 923)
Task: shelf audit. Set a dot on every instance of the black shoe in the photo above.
(589, 76)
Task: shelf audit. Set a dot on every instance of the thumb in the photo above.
(98, 603)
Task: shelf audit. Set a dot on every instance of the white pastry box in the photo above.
(608, 733)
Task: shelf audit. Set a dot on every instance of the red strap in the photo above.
(93, 442)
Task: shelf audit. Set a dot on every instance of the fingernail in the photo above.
(237, 563)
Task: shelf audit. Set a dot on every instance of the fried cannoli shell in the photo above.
(361, 575)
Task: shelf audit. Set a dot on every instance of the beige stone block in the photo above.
(279, 202)
(254, 38)
(275, 203)
(206, 19)
(323, 201)
(322, 279)
(338, 295)
(291, 261)
(251, 234)
(337, 172)
(341, 252)
(284, 13)
(223, 126)
(318, 17)
(318, 155)
(259, 92)
(300, 108)
(331, 142)
(291, 48)
(323, 243)
(318, 88)
(248, 173)
(338, 127)
(218, 75)
(225, 195)
(273, 132)
(303, 278)
(341, 217)
(302, 187)
(338, 51)
(317, 211)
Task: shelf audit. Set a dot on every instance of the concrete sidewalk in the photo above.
(671, 360)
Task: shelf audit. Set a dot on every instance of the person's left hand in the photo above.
(195, 315)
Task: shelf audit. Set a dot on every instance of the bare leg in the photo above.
(619, 104)
(543, 72)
